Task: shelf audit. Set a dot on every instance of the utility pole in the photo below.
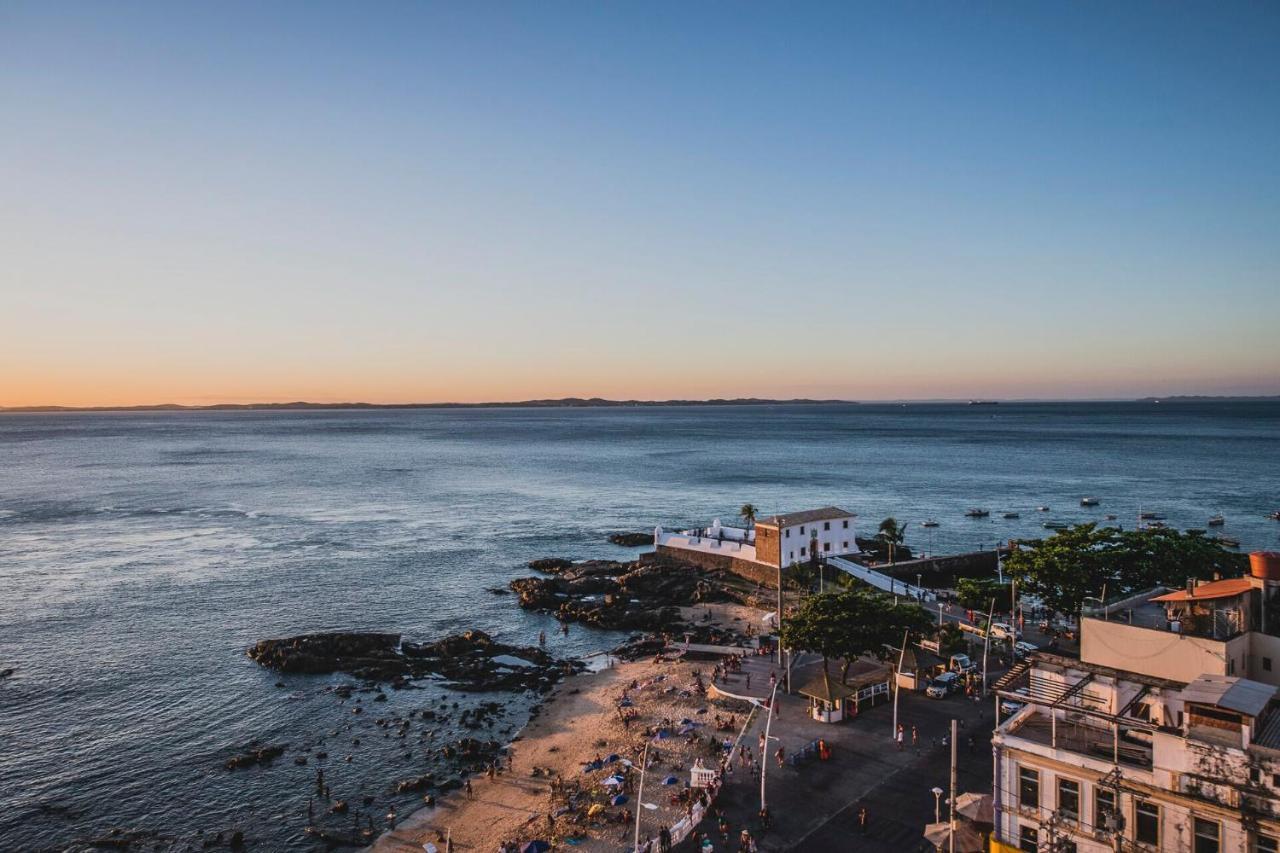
(764, 754)
(951, 803)
(897, 688)
(644, 764)
(986, 644)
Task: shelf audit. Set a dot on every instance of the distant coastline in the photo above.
(602, 403)
(560, 403)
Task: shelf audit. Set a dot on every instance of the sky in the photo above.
(394, 202)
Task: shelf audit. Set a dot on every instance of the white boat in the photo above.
(1042, 509)
(1088, 502)
(1217, 521)
(976, 513)
(929, 523)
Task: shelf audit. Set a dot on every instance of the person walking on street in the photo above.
(862, 820)
(898, 737)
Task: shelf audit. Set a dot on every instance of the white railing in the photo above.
(881, 581)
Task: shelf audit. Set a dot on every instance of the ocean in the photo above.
(141, 553)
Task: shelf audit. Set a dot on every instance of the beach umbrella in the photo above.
(684, 730)
(661, 735)
(967, 838)
(671, 780)
(430, 848)
(611, 781)
(538, 846)
(619, 800)
(597, 764)
(626, 762)
(613, 756)
(977, 807)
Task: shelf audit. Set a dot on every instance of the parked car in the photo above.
(962, 665)
(1009, 706)
(1002, 631)
(1022, 648)
(943, 686)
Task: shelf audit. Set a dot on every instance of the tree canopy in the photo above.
(976, 593)
(850, 623)
(1074, 564)
(748, 513)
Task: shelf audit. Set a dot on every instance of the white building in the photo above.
(775, 542)
(1152, 741)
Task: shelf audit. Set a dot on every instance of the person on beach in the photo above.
(915, 739)
(542, 638)
(470, 791)
(780, 756)
(898, 737)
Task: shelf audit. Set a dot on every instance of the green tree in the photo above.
(891, 534)
(976, 593)
(748, 513)
(1072, 565)
(851, 623)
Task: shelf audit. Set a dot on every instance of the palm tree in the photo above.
(748, 513)
(891, 533)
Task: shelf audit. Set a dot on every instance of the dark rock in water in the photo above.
(497, 590)
(340, 807)
(631, 540)
(470, 661)
(259, 755)
(550, 564)
(5, 673)
(365, 654)
(418, 783)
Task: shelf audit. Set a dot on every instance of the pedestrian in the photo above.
(971, 744)
(469, 790)
(748, 681)
(915, 738)
(862, 820)
(780, 756)
(898, 737)
(762, 743)
(542, 638)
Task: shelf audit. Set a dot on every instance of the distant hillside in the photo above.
(1205, 398)
(562, 403)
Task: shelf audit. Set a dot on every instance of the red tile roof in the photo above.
(1214, 589)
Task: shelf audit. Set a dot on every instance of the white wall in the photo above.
(837, 540)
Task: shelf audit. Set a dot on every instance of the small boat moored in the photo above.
(1056, 525)
(974, 512)
(1042, 509)
(928, 522)
(1012, 515)
(1217, 521)
(1151, 516)
(1089, 502)
(1228, 541)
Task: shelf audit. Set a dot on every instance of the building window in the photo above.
(1206, 834)
(826, 546)
(1069, 799)
(788, 533)
(791, 555)
(1104, 809)
(1146, 822)
(1029, 839)
(845, 523)
(802, 530)
(1266, 844)
(1028, 788)
(1266, 664)
(844, 546)
(801, 550)
(826, 525)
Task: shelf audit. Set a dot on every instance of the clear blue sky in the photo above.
(407, 201)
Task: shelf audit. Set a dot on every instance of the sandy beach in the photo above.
(580, 722)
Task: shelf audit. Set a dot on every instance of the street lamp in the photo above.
(937, 805)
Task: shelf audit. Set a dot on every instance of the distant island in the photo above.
(561, 403)
(1209, 398)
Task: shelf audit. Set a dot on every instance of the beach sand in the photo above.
(578, 722)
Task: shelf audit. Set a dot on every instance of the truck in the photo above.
(962, 664)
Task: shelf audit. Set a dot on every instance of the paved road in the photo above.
(815, 806)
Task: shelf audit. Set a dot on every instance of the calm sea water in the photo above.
(141, 553)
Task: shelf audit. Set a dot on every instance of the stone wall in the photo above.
(766, 575)
(943, 572)
(768, 545)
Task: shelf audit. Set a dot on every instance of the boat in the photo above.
(929, 523)
(1228, 541)
(1012, 515)
(1088, 502)
(1155, 525)
(1217, 521)
(1056, 525)
(974, 512)
(1111, 516)
(1151, 516)
(1275, 515)
(984, 402)
(1042, 509)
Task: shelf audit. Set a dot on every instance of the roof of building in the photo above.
(1228, 588)
(804, 516)
(1230, 692)
(862, 673)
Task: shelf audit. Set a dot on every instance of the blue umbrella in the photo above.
(613, 756)
(661, 735)
(671, 780)
(538, 846)
(619, 800)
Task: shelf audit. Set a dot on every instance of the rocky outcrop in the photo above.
(617, 595)
(550, 564)
(470, 661)
(256, 755)
(631, 540)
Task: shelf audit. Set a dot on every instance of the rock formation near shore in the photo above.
(469, 661)
(631, 540)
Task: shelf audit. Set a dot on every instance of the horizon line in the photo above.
(602, 402)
